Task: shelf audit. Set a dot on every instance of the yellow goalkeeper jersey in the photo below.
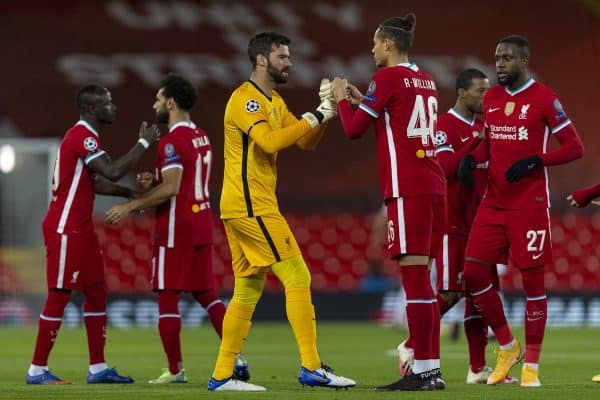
(250, 174)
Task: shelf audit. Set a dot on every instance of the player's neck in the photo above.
(519, 82)
(397, 58)
(460, 108)
(97, 125)
(264, 82)
(177, 117)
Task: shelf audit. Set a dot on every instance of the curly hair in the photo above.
(181, 90)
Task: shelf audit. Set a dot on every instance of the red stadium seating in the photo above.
(336, 247)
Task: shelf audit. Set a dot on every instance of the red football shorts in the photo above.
(450, 261)
(185, 268)
(416, 225)
(72, 260)
(525, 232)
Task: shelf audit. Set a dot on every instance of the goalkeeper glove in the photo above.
(324, 112)
(520, 168)
(465, 170)
(325, 92)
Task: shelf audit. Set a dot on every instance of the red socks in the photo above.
(213, 306)
(479, 286)
(49, 324)
(476, 332)
(536, 310)
(94, 317)
(169, 327)
(421, 312)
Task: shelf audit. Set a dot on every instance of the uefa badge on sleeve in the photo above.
(252, 106)
(90, 144)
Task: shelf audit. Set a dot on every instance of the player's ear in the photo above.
(261, 60)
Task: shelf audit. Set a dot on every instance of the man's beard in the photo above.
(277, 75)
(162, 117)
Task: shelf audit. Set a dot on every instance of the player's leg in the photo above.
(48, 327)
(250, 274)
(60, 260)
(487, 245)
(410, 222)
(529, 235)
(203, 286)
(476, 333)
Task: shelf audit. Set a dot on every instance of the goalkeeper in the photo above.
(257, 126)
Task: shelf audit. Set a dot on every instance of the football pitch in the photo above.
(358, 350)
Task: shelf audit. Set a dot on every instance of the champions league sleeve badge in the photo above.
(90, 144)
(252, 106)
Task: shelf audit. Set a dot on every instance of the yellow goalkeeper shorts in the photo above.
(259, 242)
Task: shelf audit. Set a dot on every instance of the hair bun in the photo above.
(409, 21)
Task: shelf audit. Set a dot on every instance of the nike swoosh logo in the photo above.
(491, 110)
(536, 256)
(464, 139)
(534, 319)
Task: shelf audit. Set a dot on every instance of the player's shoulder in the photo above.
(247, 97)
(494, 92)
(543, 91)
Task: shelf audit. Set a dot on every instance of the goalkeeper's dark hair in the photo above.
(520, 41)
(262, 43)
(465, 78)
(88, 95)
(181, 90)
(400, 30)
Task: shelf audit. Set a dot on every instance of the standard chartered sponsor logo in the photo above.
(508, 132)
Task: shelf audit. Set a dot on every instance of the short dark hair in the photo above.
(87, 95)
(401, 30)
(520, 41)
(465, 78)
(181, 90)
(263, 42)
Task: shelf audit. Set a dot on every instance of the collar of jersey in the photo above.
(260, 90)
(88, 127)
(518, 90)
(182, 123)
(456, 114)
(410, 65)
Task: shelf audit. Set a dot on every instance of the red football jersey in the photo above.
(403, 99)
(518, 125)
(73, 182)
(186, 218)
(455, 137)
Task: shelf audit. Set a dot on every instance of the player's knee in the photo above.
(206, 297)
(168, 302)
(293, 273)
(56, 302)
(248, 289)
(533, 281)
(451, 298)
(476, 275)
(95, 297)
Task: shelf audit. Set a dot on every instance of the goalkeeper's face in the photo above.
(279, 64)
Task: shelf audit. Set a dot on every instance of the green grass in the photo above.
(356, 350)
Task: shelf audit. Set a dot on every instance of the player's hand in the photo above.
(150, 134)
(580, 198)
(465, 170)
(325, 92)
(328, 108)
(338, 87)
(353, 95)
(117, 213)
(520, 168)
(146, 180)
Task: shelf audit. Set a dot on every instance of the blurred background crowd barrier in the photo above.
(331, 194)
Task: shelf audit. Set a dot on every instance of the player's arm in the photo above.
(450, 159)
(107, 188)
(468, 163)
(356, 122)
(161, 193)
(571, 147)
(114, 170)
(583, 197)
(309, 141)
